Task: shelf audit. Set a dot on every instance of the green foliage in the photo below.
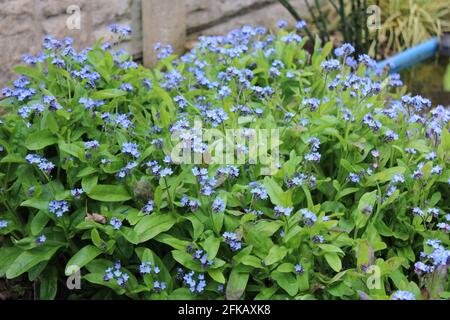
(340, 205)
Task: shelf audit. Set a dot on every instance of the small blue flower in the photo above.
(258, 191)
(76, 193)
(345, 50)
(145, 268)
(309, 218)
(41, 239)
(313, 157)
(282, 24)
(318, 239)
(131, 149)
(312, 103)
(90, 104)
(330, 65)
(159, 286)
(126, 87)
(391, 136)
(436, 170)
(403, 295)
(3, 224)
(43, 164)
(420, 268)
(195, 284)
(148, 208)
(431, 155)
(279, 211)
(353, 177)
(122, 31)
(418, 212)
(300, 25)
(299, 268)
(218, 205)
(163, 51)
(116, 223)
(58, 207)
(232, 240)
(398, 178)
(91, 144)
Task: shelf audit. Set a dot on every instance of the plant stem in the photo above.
(168, 195)
(296, 15)
(323, 21)
(315, 19)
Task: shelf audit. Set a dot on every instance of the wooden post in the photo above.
(163, 21)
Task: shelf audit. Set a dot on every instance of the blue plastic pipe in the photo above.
(411, 56)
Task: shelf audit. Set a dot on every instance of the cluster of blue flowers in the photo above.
(218, 205)
(195, 282)
(158, 170)
(232, 240)
(122, 31)
(258, 191)
(403, 295)
(77, 193)
(58, 207)
(193, 204)
(309, 218)
(282, 211)
(201, 256)
(43, 164)
(148, 208)
(116, 223)
(116, 273)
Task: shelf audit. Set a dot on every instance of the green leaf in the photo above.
(86, 172)
(276, 193)
(334, 261)
(130, 235)
(40, 140)
(28, 259)
(7, 257)
(49, 284)
(211, 246)
(384, 176)
(237, 282)
(217, 218)
(108, 94)
(13, 158)
(88, 183)
(287, 281)
(82, 258)
(172, 241)
(71, 149)
(97, 278)
(39, 222)
(109, 193)
(276, 254)
(181, 294)
(364, 254)
(217, 275)
(151, 226)
(185, 259)
(367, 200)
(35, 203)
(31, 72)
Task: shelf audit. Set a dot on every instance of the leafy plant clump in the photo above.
(356, 205)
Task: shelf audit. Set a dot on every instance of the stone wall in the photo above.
(23, 23)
